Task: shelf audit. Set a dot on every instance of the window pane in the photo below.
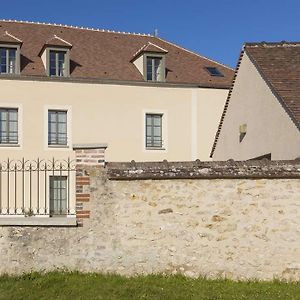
(52, 116)
(3, 115)
(157, 131)
(157, 120)
(62, 127)
(13, 115)
(62, 116)
(13, 126)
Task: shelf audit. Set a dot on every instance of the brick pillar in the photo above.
(87, 156)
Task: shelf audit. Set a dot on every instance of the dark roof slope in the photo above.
(279, 66)
(98, 54)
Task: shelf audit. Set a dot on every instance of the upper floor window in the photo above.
(57, 128)
(8, 126)
(154, 131)
(213, 71)
(8, 60)
(57, 63)
(155, 68)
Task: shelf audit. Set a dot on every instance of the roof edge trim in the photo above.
(226, 103)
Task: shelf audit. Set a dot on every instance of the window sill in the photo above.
(155, 148)
(58, 146)
(10, 145)
(67, 221)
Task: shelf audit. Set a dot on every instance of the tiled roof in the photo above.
(99, 54)
(279, 66)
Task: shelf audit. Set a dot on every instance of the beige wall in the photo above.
(114, 114)
(269, 128)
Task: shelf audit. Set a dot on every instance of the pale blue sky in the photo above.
(216, 29)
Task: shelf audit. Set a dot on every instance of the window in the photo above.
(57, 127)
(57, 63)
(154, 131)
(8, 126)
(8, 58)
(213, 71)
(154, 68)
(58, 195)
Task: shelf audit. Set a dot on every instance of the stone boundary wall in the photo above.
(239, 227)
(205, 170)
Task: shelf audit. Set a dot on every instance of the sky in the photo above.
(215, 29)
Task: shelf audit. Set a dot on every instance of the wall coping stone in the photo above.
(90, 146)
(254, 169)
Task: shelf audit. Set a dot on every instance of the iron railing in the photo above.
(25, 187)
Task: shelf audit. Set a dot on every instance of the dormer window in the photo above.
(150, 61)
(155, 70)
(55, 55)
(57, 63)
(8, 60)
(9, 54)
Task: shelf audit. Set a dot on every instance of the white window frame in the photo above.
(164, 115)
(68, 109)
(19, 107)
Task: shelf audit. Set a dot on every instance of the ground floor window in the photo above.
(58, 195)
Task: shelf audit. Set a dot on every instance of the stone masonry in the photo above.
(242, 226)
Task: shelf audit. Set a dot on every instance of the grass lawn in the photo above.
(60, 285)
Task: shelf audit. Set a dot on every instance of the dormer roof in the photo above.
(58, 42)
(7, 37)
(151, 48)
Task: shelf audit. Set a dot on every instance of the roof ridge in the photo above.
(272, 44)
(76, 27)
(194, 53)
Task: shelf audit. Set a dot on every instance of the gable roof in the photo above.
(279, 66)
(106, 55)
(57, 41)
(149, 47)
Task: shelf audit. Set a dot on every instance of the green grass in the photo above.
(61, 285)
